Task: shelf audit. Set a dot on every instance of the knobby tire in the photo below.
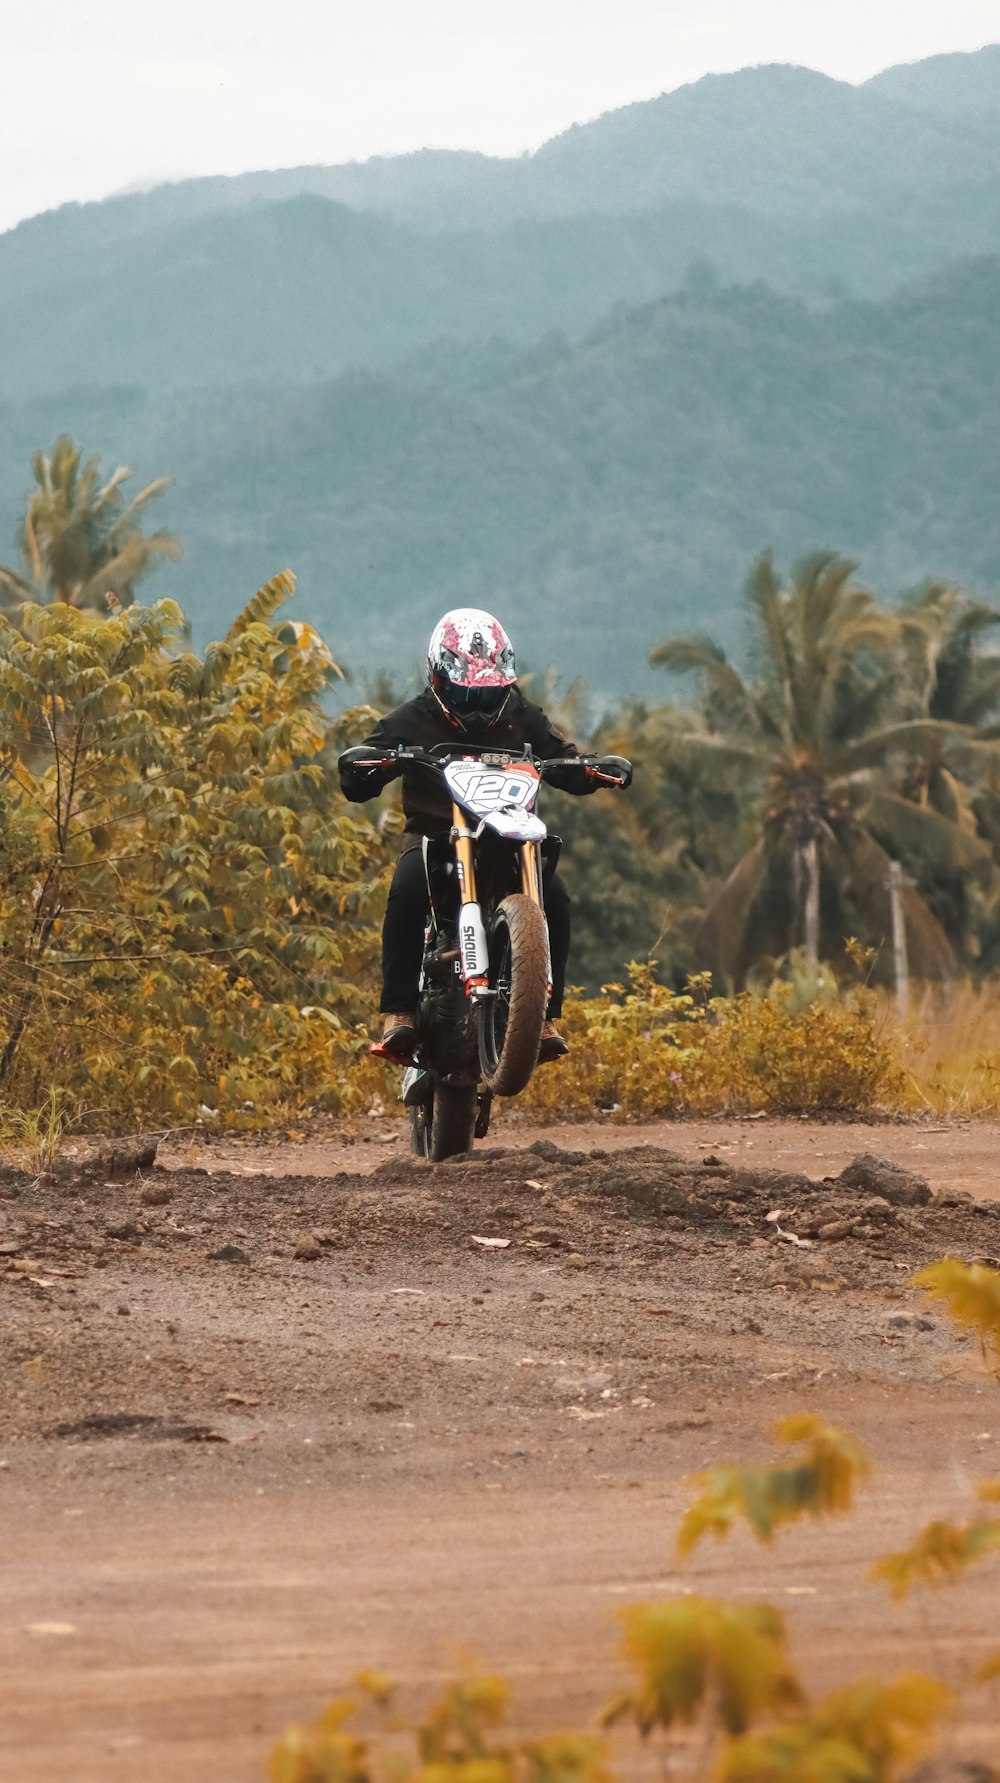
(448, 1127)
(510, 1024)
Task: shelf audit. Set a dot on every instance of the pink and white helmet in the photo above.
(470, 665)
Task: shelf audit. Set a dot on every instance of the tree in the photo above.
(954, 773)
(81, 540)
(185, 914)
(816, 745)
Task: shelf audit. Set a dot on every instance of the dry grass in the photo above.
(949, 1048)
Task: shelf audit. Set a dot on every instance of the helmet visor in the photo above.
(474, 702)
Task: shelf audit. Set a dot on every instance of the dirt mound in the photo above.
(636, 1201)
(547, 1197)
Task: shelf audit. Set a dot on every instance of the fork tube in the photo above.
(472, 943)
(531, 885)
(464, 857)
(530, 875)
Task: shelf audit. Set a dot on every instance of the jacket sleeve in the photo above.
(550, 745)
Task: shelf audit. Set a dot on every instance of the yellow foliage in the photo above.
(695, 1653)
(940, 1553)
(643, 1050)
(971, 1293)
(378, 1686)
(173, 872)
(820, 1482)
(723, 1667)
(796, 1754)
(949, 1047)
(863, 1734)
(30, 1137)
(323, 1751)
(453, 1744)
(566, 1758)
(990, 1669)
(456, 1726)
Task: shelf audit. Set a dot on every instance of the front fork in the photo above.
(472, 943)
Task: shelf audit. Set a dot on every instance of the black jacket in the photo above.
(426, 805)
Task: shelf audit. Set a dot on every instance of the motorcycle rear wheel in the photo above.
(445, 1126)
(511, 1021)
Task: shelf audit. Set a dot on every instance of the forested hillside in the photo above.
(601, 493)
(821, 188)
(306, 288)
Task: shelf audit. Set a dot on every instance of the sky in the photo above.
(117, 93)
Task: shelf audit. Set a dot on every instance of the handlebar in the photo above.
(606, 770)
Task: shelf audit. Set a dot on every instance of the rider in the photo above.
(471, 692)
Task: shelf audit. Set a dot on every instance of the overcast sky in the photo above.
(117, 92)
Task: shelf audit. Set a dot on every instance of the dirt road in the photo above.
(260, 1430)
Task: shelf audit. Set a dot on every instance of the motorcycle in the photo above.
(486, 976)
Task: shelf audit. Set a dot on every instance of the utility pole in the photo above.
(811, 858)
(895, 883)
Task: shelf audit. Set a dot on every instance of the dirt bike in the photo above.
(486, 977)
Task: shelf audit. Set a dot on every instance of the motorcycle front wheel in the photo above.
(445, 1125)
(511, 1020)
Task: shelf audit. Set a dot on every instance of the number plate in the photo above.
(488, 791)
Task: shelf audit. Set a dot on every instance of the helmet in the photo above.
(470, 667)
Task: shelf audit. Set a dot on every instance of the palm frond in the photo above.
(723, 686)
(721, 936)
(110, 494)
(912, 736)
(770, 609)
(819, 585)
(944, 845)
(14, 587)
(724, 751)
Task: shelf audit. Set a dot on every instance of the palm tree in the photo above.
(80, 540)
(815, 744)
(956, 773)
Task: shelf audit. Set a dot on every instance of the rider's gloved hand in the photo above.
(588, 773)
(365, 770)
(611, 770)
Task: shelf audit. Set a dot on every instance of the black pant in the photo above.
(403, 935)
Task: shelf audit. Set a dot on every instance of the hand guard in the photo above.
(365, 770)
(611, 770)
(588, 773)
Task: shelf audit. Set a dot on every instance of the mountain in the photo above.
(600, 494)
(961, 88)
(772, 172)
(821, 188)
(306, 288)
(775, 138)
